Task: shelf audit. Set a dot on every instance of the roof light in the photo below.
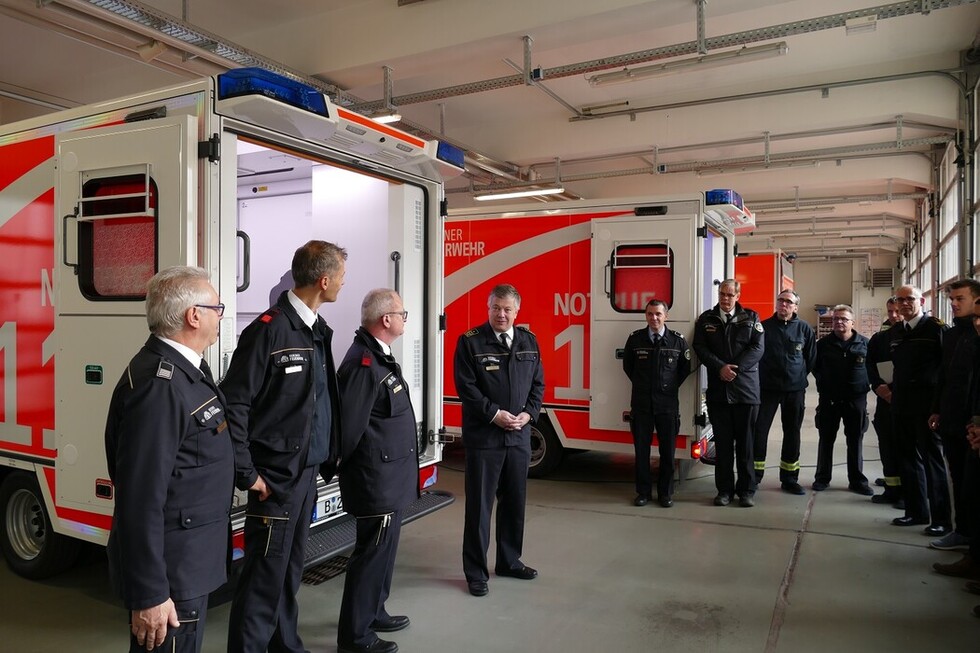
(258, 81)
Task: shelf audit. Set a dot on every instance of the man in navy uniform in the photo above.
(842, 383)
(172, 467)
(283, 407)
(917, 353)
(788, 359)
(379, 470)
(729, 341)
(656, 360)
(880, 375)
(500, 381)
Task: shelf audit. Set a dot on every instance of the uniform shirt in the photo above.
(656, 371)
(379, 471)
(740, 342)
(490, 377)
(171, 461)
(271, 397)
(840, 369)
(917, 356)
(789, 355)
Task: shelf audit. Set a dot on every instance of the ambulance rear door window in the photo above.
(641, 272)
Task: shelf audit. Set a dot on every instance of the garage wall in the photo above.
(823, 283)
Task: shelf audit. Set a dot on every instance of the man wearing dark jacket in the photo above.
(284, 411)
(842, 383)
(879, 365)
(379, 470)
(788, 359)
(500, 381)
(656, 360)
(729, 341)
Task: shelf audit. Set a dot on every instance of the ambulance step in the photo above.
(338, 536)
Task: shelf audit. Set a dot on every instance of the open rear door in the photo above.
(125, 208)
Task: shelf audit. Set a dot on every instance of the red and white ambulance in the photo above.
(230, 173)
(585, 271)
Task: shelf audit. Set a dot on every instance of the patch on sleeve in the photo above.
(165, 370)
(366, 359)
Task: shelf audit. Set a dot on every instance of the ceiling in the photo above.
(833, 143)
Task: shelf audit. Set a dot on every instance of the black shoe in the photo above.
(746, 501)
(642, 499)
(391, 624)
(908, 521)
(665, 502)
(377, 646)
(888, 496)
(723, 499)
(861, 488)
(820, 486)
(478, 587)
(524, 573)
(880, 482)
(936, 530)
(792, 487)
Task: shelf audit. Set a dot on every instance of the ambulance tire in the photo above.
(546, 450)
(30, 545)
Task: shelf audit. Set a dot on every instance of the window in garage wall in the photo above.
(948, 227)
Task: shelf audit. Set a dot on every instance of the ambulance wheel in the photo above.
(546, 450)
(31, 547)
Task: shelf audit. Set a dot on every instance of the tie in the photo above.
(656, 339)
(726, 317)
(503, 340)
(206, 371)
(908, 328)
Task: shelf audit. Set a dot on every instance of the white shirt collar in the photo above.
(384, 346)
(192, 356)
(305, 312)
(651, 332)
(914, 322)
(509, 332)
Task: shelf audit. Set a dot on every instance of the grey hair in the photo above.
(376, 303)
(733, 283)
(169, 293)
(842, 307)
(796, 295)
(504, 291)
(915, 291)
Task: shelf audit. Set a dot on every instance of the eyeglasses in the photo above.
(781, 300)
(404, 314)
(217, 308)
(906, 300)
(842, 319)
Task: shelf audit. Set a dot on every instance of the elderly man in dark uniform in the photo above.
(379, 470)
(283, 407)
(498, 375)
(729, 341)
(917, 353)
(656, 360)
(788, 359)
(171, 462)
(842, 383)
(880, 376)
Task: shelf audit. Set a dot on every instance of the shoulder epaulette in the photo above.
(269, 314)
(678, 334)
(471, 333)
(366, 358)
(165, 370)
(885, 327)
(938, 320)
(524, 328)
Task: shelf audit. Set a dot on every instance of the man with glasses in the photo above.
(787, 361)
(498, 376)
(879, 365)
(842, 386)
(917, 352)
(379, 470)
(283, 407)
(172, 465)
(729, 341)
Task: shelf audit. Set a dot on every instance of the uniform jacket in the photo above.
(791, 348)
(879, 351)
(841, 368)
(379, 470)
(953, 385)
(656, 372)
(172, 465)
(490, 377)
(270, 392)
(740, 342)
(917, 356)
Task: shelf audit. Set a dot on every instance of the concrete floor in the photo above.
(821, 572)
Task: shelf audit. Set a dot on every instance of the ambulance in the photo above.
(231, 173)
(585, 270)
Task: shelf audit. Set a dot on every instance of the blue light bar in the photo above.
(723, 196)
(258, 81)
(451, 155)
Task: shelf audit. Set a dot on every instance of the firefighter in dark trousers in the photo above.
(879, 364)
(951, 409)
(172, 466)
(787, 361)
(283, 408)
(500, 381)
(842, 385)
(917, 350)
(656, 360)
(379, 470)
(729, 341)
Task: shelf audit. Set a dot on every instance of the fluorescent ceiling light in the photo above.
(694, 63)
(530, 192)
(387, 117)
